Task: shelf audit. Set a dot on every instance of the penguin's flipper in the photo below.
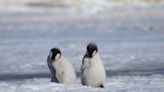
(53, 77)
(85, 64)
(52, 70)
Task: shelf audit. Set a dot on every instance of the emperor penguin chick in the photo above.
(92, 69)
(61, 69)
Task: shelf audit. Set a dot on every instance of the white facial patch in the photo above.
(50, 54)
(94, 53)
(57, 57)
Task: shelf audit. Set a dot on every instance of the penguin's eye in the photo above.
(50, 54)
(94, 52)
(57, 56)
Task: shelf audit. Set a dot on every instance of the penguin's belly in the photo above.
(65, 75)
(93, 77)
(69, 77)
(64, 71)
(59, 75)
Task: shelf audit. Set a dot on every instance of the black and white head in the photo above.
(55, 54)
(91, 50)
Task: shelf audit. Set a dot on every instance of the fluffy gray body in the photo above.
(93, 72)
(61, 70)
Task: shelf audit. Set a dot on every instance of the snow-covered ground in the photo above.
(131, 43)
(153, 83)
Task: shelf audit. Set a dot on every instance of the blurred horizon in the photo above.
(73, 6)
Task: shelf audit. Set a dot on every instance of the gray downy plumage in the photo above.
(92, 69)
(60, 68)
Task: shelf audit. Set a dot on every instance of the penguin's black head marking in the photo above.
(55, 53)
(91, 49)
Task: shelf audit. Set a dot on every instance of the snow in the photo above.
(153, 83)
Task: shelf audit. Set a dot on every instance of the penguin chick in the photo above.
(92, 69)
(60, 68)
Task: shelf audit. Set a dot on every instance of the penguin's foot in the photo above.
(101, 86)
(52, 80)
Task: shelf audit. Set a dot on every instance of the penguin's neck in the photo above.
(95, 59)
(58, 61)
(62, 61)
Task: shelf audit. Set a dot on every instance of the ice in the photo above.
(113, 84)
(124, 44)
